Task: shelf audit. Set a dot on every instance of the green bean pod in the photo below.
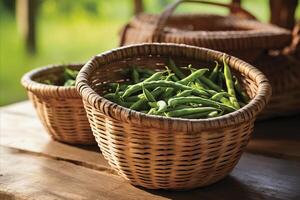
(149, 72)
(240, 91)
(143, 102)
(153, 84)
(148, 95)
(184, 93)
(189, 111)
(135, 76)
(199, 100)
(202, 115)
(214, 74)
(154, 77)
(193, 76)
(175, 69)
(219, 96)
(210, 84)
(229, 84)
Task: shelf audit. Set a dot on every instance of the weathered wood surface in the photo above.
(35, 167)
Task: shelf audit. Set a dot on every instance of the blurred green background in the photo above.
(73, 31)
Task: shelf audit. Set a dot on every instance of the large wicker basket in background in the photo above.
(59, 108)
(283, 72)
(160, 152)
(246, 39)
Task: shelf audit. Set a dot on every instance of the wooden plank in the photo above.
(26, 176)
(278, 137)
(26, 133)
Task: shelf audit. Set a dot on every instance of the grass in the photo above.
(76, 36)
(63, 42)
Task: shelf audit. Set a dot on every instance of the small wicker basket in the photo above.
(161, 152)
(243, 38)
(59, 108)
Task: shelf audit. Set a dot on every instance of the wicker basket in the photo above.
(246, 39)
(59, 108)
(160, 152)
(284, 75)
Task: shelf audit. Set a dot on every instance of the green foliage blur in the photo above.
(74, 31)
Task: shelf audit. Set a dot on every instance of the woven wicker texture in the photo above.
(283, 73)
(246, 39)
(59, 108)
(160, 152)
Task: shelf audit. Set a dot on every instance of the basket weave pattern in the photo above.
(160, 152)
(59, 108)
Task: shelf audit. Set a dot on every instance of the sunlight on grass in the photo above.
(62, 42)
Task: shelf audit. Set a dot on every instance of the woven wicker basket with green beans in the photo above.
(200, 93)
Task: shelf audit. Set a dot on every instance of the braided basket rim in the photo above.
(41, 89)
(136, 118)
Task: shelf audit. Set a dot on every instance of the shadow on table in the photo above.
(278, 128)
(227, 189)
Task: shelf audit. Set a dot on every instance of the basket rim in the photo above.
(264, 33)
(269, 28)
(49, 90)
(117, 112)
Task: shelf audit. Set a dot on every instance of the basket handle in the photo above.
(165, 15)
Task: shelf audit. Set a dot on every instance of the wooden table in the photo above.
(35, 167)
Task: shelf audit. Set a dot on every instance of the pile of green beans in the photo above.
(68, 78)
(183, 92)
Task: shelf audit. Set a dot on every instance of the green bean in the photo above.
(153, 84)
(184, 93)
(181, 107)
(154, 77)
(221, 97)
(175, 78)
(47, 81)
(196, 115)
(175, 69)
(218, 96)
(240, 91)
(210, 84)
(214, 74)
(145, 71)
(189, 111)
(135, 76)
(113, 86)
(199, 100)
(69, 82)
(213, 114)
(142, 103)
(151, 111)
(132, 98)
(70, 74)
(148, 95)
(168, 93)
(229, 84)
(193, 76)
(221, 79)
